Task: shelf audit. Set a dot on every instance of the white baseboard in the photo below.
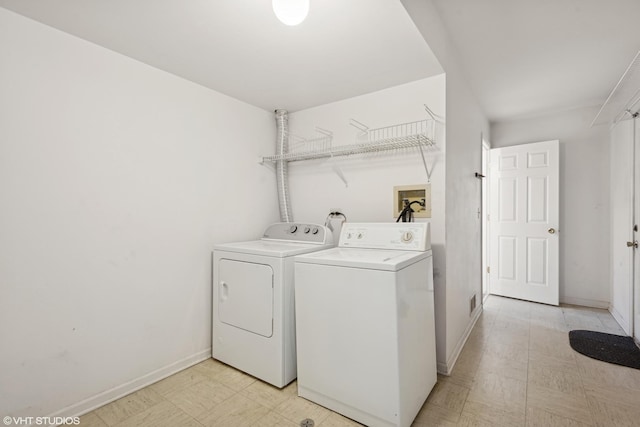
(624, 323)
(446, 368)
(585, 302)
(117, 392)
(442, 368)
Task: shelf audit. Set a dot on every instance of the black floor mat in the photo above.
(610, 348)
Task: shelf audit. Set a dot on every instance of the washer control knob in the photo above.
(314, 230)
(349, 235)
(293, 229)
(360, 235)
(407, 236)
(307, 230)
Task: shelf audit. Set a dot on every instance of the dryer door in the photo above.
(246, 296)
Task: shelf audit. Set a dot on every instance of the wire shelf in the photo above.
(322, 142)
(403, 136)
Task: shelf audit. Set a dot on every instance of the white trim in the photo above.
(101, 399)
(484, 221)
(635, 266)
(446, 369)
(585, 302)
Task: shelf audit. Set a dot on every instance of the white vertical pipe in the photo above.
(282, 166)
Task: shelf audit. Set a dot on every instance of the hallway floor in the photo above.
(516, 369)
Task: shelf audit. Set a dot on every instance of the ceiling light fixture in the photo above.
(291, 12)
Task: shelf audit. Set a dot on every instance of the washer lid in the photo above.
(272, 248)
(372, 259)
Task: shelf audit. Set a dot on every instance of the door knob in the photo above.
(552, 231)
(633, 244)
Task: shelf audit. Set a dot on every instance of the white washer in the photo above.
(365, 323)
(253, 308)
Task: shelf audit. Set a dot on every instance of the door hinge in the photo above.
(488, 270)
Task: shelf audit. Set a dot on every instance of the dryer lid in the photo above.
(272, 248)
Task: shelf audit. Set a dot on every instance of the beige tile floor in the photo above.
(517, 369)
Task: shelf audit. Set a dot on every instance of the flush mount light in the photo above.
(291, 12)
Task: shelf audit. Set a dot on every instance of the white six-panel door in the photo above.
(524, 216)
(622, 189)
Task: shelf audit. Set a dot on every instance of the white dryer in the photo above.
(253, 306)
(365, 323)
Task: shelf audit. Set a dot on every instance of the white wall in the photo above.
(316, 189)
(584, 197)
(466, 123)
(116, 180)
(466, 126)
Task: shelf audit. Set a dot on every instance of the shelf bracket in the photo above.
(362, 128)
(424, 162)
(338, 172)
(266, 163)
(436, 117)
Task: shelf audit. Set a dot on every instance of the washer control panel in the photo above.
(298, 232)
(415, 236)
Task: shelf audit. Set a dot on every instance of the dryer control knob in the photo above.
(293, 229)
(307, 230)
(315, 230)
(407, 236)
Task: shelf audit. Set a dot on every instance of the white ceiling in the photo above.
(239, 48)
(526, 57)
(522, 57)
